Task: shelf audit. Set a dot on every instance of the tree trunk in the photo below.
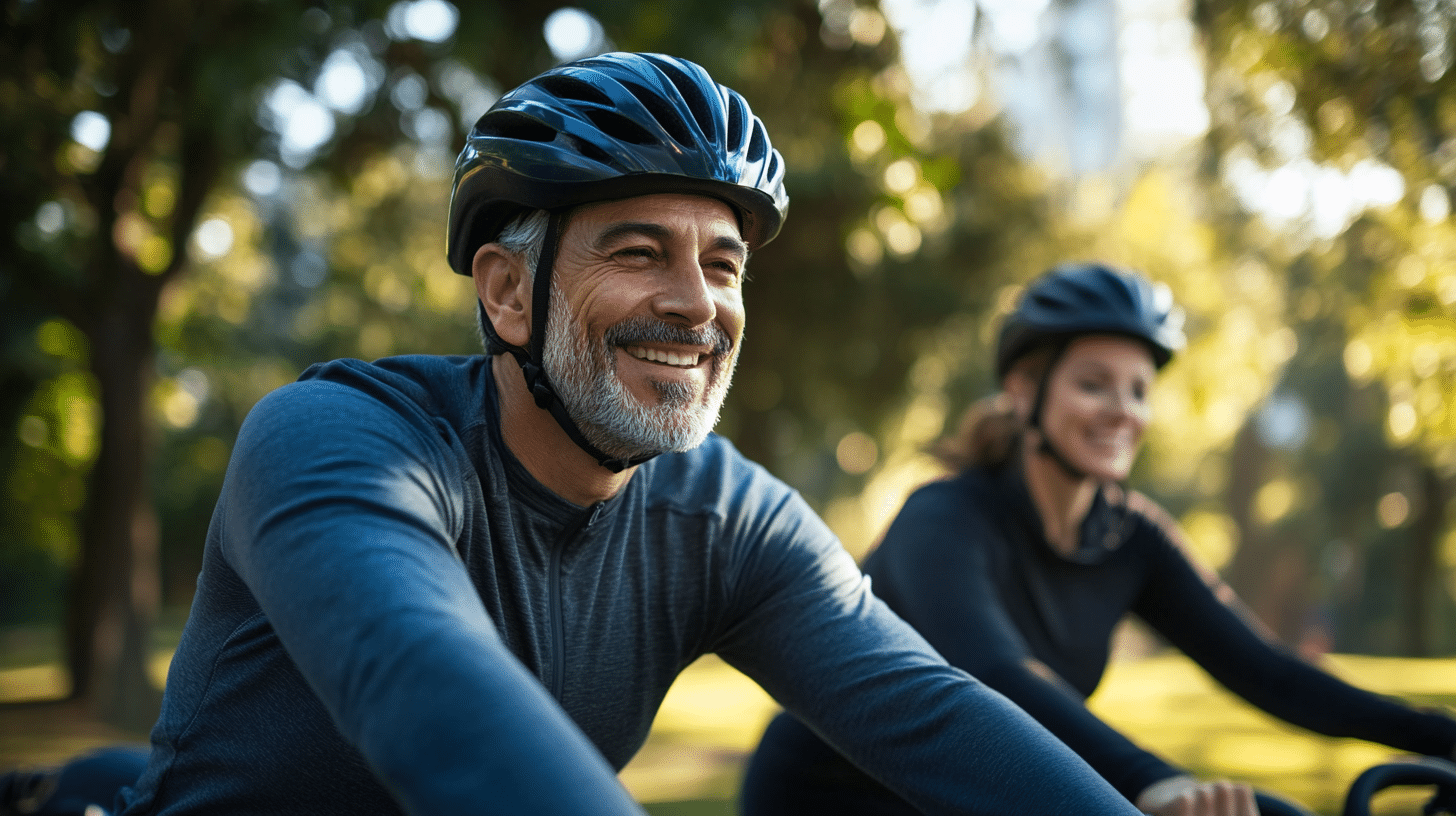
(1245, 473)
(1268, 574)
(115, 587)
(115, 591)
(1420, 564)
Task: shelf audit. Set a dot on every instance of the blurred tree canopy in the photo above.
(204, 201)
(180, 244)
(1344, 115)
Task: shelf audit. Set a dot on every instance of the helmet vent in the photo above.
(693, 95)
(618, 127)
(757, 148)
(511, 125)
(663, 113)
(735, 125)
(590, 151)
(564, 86)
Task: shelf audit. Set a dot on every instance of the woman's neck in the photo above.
(1061, 500)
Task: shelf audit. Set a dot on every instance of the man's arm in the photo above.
(934, 566)
(815, 637)
(341, 518)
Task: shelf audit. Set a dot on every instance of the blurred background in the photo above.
(200, 200)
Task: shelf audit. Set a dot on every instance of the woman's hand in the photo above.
(1186, 796)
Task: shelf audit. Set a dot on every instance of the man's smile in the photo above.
(672, 358)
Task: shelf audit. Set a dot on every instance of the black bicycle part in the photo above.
(1415, 771)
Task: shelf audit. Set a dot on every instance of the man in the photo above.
(463, 585)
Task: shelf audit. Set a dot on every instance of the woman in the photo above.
(1018, 567)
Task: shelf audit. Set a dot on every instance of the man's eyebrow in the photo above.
(622, 229)
(735, 245)
(649, 229)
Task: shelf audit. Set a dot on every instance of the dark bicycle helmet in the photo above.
(604, 128)
(1090, 298)
(1085, 298)
(608, 127)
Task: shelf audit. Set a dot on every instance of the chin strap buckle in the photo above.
(541, 390)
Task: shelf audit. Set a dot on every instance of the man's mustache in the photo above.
(639, 330)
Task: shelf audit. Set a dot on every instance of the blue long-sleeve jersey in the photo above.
(394, 616)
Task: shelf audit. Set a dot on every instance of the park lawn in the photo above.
(713, 715)
(1168, 705)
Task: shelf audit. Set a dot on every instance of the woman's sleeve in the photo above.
(934, 562)
(812, 634)
(341, 516)
(1200, 615)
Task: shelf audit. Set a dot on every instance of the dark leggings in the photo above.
(821, 781)
(92, 779)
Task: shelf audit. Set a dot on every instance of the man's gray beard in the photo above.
(584, 372)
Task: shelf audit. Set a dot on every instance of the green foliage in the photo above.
(868, 319)
(53, 446)
(1363, 90)
(342, 257)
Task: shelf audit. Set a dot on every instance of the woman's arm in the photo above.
(1200, 615)
(935, 563)
(814, 636)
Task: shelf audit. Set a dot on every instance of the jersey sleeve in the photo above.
(1200, 615)
(341, 512)
(935, 565)
(810, 631)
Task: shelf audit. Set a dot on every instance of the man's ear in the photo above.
(504, 288)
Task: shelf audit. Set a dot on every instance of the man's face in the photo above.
(645, 321)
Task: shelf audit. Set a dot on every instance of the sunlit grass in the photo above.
(710, 720)
(1165, 703)
(1168, 705)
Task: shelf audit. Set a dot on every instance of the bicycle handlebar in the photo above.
(1421, 771)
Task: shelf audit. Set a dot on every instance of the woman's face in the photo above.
(1097, 404)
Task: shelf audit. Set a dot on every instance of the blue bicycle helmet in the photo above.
(1090, 298)
(603, 128)
(609, 127)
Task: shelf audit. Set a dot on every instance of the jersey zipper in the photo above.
(558, 622)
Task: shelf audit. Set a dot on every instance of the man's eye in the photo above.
(637, 257)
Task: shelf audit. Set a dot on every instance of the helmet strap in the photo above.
(1033, 421)
(532, 361)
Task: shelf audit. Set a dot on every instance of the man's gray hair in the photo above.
(522, 237)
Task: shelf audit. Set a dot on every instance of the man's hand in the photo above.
(1186, 796)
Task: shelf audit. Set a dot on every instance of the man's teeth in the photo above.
(668, 357)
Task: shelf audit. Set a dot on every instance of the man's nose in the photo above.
(685, 296)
